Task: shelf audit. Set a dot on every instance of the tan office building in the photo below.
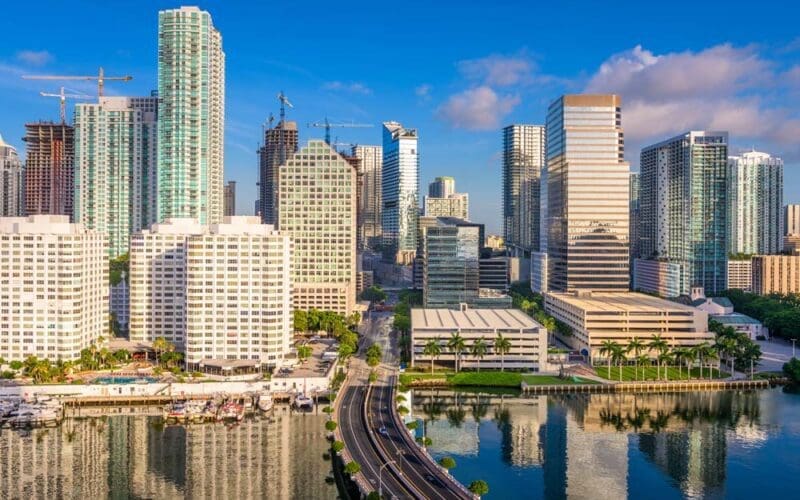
(622, 316)
(317, 209)
(776, 274)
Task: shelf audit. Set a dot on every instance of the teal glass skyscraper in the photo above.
(191, 91)
(400, 192)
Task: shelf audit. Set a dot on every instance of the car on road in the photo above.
(433, 480)
(382, 431)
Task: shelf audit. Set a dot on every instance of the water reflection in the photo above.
(587, 445)
(137, 457)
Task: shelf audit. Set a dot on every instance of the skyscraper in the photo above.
(587, 187)
(369, 194)
(191, 90)
(317, 209)
(230, 199)
(683, 203)
(452, 272)
(633, 193)
(442, 187)
(523, 159)
(11, 181)
(791, 219)
(755, 199)
(49, 168)
(115, 167)
(280, 143)
(400, 192)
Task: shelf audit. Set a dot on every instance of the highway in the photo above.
(407, 472)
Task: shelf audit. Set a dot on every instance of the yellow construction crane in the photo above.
(328, 125)
(101, 79)
(63, 97)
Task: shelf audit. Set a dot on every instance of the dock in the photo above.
(646, 387)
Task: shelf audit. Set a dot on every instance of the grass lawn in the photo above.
(408, 377)
(554, 380)
(486, 379)
(645, 373)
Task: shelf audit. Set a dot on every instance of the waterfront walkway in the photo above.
(645, 387)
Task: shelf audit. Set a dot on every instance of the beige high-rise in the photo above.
(776, 274)
(588, 194)
(317, 209)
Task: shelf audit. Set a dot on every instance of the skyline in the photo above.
(459, 97)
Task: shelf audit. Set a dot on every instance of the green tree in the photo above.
(345, 351)
(373, 294)
(433, 348)
(352, 468)
(635, 346)
(457, 344)
(479, 487)
(447, 462)
(330, 425)
(619, 358)
(502, 346)
(300, 320)
(479, 349)
(792, 372)
(122, 355)
(665, 358)
(337, 446)
(659, 345)
(161, 345)
(402, 323)
(304, 352)
(607, 349)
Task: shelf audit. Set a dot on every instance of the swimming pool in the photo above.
(124, 380)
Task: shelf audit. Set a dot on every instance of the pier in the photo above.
(646, 387)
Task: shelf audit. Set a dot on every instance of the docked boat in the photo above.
(194, 411)
(231, 411)
(303, 402)
(176, 412)
(210, 411)
(265, 402)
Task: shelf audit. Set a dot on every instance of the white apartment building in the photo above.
(755, 199)
(317, 209)
(11, 181)
(53, 287)
(238, 302)
(528, 338)
(218, 292)
(740, 274)
(454, 205)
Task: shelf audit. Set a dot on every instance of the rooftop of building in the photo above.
(721, 301)
(238, 224)
(735, 319)
(618, 302)
(451, 319)
(41, 224)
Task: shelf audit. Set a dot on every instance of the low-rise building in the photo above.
(657, 276)
(53, 287)
(744, 324)
(495, 242)
(740, 274)
(622, 316)
(776, 274)
(527, 337)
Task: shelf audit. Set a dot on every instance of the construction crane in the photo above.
(101, 79)
(63, 97)
(328, 126)
(282, 136)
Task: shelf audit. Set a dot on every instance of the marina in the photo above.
(39, 412)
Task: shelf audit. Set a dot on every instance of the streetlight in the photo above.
(380, 477)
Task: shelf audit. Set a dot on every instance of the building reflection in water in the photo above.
(137, 457)
(583, 442)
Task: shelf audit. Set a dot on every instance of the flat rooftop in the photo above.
(619, 302)
(735, 319)
(448, 319)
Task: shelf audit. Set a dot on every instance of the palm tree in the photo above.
(618, 356)
(457, 345)
(710, 354)
(660, 345)
(679, 354)
(607, 348)
(665, 357)
(433, 349)
(160, 345)
(479, 349)
(700, 352)
(502, 346)
(635, 346)
(642, 359)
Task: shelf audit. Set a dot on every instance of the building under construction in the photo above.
(280, 143)
(49, 168)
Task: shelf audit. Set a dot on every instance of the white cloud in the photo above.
(354, 87)
(423, 91)
(478, 108)
(498, 70)
(719, 88)
(34, 57)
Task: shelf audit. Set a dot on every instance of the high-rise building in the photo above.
(11, 181)
(369, 195)
(523, 159)
(683, 203)
(400, 192)
(791, 220)
(230, 199)
(755, 203)
(442, 187)
(452, 272)
(191, 115)
(587, 188)
(633, 194)
(280, 143)
(53, 287)
(49, 168)
(740, 274)
(454, 205)
(317, 209)
(115, 167)
(238, 301)
(183, 275)
(776, 274)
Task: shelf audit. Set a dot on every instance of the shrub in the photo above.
(331, 425)
(352, 468)
(402, 410)
(412, 425)
(479, 487)
(328, 409)
(337, 446)
(7, 374)
(447, 462)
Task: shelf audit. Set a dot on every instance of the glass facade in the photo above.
(452, 268)
(755, 199)
(587, 195)
(523, 160)
(400, 192)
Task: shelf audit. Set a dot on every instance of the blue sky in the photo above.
(457, 71)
